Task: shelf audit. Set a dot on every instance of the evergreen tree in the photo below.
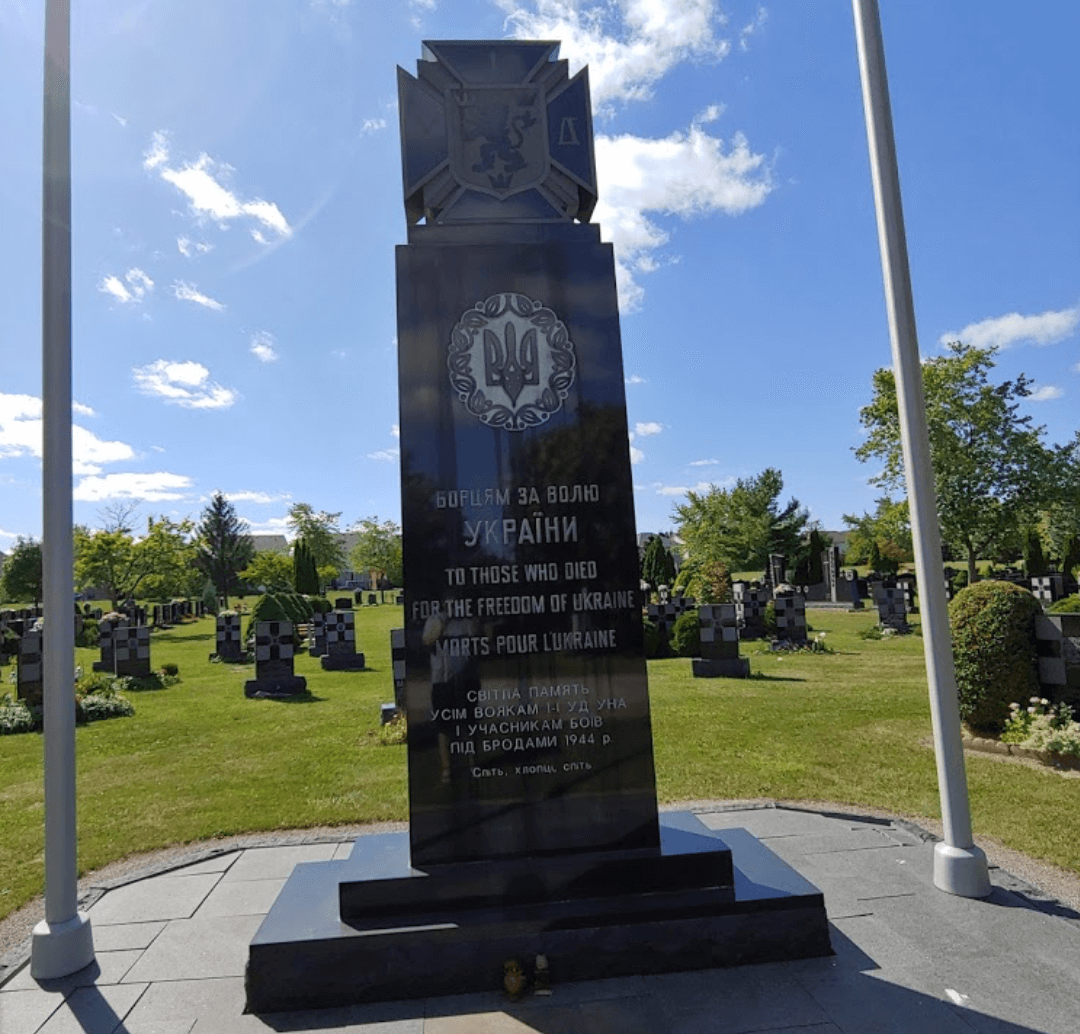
(225, 547)
(305, 575)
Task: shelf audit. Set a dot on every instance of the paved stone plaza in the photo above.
(171, 949)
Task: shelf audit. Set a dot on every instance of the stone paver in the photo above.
(94, 1010)
(165, 897)
(275, 863)
(194, 949)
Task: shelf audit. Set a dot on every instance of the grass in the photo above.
(198, 760)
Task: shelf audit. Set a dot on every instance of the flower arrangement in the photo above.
(1041, 726)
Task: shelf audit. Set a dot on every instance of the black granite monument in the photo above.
(533, 826)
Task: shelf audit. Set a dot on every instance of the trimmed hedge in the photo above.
(993, 633)
(686, 635)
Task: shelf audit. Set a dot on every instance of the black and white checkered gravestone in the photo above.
(341, 655)
(1058, 641)
(29, 686)
(131, 650)
(664, 615)
(274, 676)
(790, 618)
(908, 584)
(750, 607)
(229, 642)
(105, 643)
(317, 634)
(397, 658)
(892, 612)
(1048, 588)
(719, 644)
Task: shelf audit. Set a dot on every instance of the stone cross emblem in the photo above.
(496, 130)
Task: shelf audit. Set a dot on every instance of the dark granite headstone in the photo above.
(1058, 642)
(229, 644)
(340, 632)
(131, 650)
(317, 634)
(105, 643)
(30, 685)
(274, 676)
(1048, 588)
(664, 615)
(719, 644)
(750, 607)
(892, 613)
(397, 660)
(342, 603)
(790, 618)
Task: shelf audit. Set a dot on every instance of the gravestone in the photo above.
(131, 650)
(892, 613)
(719, 644)
(1048, 588)
(775, 571)
(30, 685)
(908, 584)
(343, 603)
(533, 823)
(851, 589)
(229, 644)
(750, 607)
(790, 617)
(397, 660)
(1058, 642)
(317, 634)
(105, 643)
(830, 564)
(664, 615)
(340, 632)
(274, 675)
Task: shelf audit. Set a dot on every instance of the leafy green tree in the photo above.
(882, 538)
(272, 570)
(1059, 524)
(21, 577)
(225, 546)
(740, 526)
(320, 531)
(170, 552)
(305, 576)
(377, 549)
(1035, 565)
(991, 469)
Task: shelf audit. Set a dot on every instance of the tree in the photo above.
(225, 547)
(320, 531)
(305, 576)
(1059, 524)
(377, 549)
(21, 577)
(882, 538)
(740, 526)
(273, 571)
(991, 470)
(657, 565)
(170, 554)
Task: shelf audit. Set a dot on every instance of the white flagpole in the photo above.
(62, 942)
(959, 866)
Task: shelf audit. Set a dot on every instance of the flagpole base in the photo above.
(961, 871)
(60, 949)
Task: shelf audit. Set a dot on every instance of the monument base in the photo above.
(284, 686)
(447, 930)
(342, 662)
(720, 667)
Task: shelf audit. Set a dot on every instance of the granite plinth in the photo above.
(281, 686)
(720, 667)
(306, 956)
(342, 662)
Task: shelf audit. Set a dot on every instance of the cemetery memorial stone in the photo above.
(776, 571)
(750, 607)
(1048, 589)
(157, 615)
(340, 632)
(534, 827)
(372, 600)
(342, 603)
(30, 686)
(397, 660)
(317, 634)
(1057, 638)
(719, 644)
(274, 674)
(830, 564)
(106, 628)
(892, 612)
(790, 617)
(851, 589)
(229, 644)
(131, 650)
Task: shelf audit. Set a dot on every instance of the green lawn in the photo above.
(199, 760)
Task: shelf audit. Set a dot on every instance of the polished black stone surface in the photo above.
(306, 956)
(529, 729)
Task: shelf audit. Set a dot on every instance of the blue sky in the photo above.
(237, 200)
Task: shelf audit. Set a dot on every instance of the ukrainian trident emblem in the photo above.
(511, 362)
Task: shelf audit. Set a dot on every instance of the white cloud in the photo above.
(154, 487)
(636, 455)
(1012, 328)
(82, 410)
(687, 173)
(668, 490)
(395, 430)
(635, 379)
(21, 435)
(256, 497)
(751, 27)
(389, 455)
(270, 526)
(202, 182)
(372, 125)
(8, 534)
(190, 293)
(262, 347)
(1076, 368)
(184, 384)
(132, 288)
(628, 47)
(1046, 393)
(188, 247)
(704, 463)
(647, 429)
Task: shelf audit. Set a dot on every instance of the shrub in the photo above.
(652, 639)
(97, 707)
(1042, 727)
(993, 632)
(1066, 605)
(9, 642)
(319, 604)
(89, 634)
(15, 716)
(770, 618)
(278, 606)
(96, 682)
(686, 635)
(170, 668)
(209, 598)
